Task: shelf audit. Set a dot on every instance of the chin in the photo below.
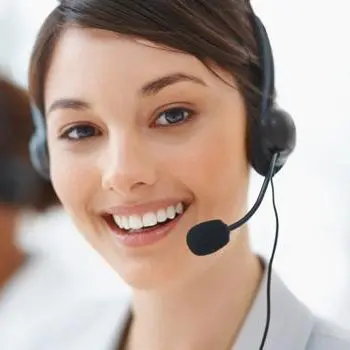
(165, 270)
(151, 264)
(150, 272)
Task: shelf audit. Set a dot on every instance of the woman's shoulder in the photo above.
(313, 331)
(293, 325)
(326, 335)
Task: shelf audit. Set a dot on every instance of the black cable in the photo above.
(268, 315)
(261, 196)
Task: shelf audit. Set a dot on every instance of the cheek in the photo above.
(213, 166)
(74, 179)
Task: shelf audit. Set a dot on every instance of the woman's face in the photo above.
(139, 134)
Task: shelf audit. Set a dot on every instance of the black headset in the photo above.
(274, 132)
(272, 139)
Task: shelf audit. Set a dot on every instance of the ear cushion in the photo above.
(39, 156)
(38, 146)
(274, 133)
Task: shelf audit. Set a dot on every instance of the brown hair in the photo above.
(215, 32)
(16, 130)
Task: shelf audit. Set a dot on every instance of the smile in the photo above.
(146, 228)
(149, 219)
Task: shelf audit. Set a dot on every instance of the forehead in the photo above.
(92, 57)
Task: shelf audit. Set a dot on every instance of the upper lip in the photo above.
(140, 209)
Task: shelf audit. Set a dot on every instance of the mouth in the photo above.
(146, 229)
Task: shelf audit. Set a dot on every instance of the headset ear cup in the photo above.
(256, 156)
(39, 157)
(274, 133)
(38, 146)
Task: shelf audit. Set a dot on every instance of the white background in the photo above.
(312, 53)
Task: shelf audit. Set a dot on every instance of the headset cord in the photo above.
(268, 314)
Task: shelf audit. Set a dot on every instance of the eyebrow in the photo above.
(155, 86)
(150, 89)
(68, 103)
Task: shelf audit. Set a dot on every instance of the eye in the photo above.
(79, 132)
(174, 116)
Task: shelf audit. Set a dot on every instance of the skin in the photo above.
(133, 156)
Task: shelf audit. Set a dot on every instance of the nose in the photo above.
(127, 165)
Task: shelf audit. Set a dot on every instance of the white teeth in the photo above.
(118, 220)
(125, 223)
(170, 211)
(161, 215)
(135, 222)
(179, 208)
(150, 219)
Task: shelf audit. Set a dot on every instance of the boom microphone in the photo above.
(210, 236)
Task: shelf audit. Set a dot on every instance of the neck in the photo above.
(11, 258)
(206, 313)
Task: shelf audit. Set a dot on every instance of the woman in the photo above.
(148, 109)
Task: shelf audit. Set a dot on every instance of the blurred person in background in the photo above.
(22, 195)
(40, 299)
(21, 189)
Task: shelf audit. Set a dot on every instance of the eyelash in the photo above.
(190, 114)
(77, 128)
(94, 131)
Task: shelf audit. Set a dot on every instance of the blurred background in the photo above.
(312, 55)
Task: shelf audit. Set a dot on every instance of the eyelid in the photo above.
(168, 106)
(190, 107)
(63, 132)
(191, 114)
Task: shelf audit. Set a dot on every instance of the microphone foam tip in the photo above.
(208, 237)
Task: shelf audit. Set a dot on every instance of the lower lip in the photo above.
(144, 238)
